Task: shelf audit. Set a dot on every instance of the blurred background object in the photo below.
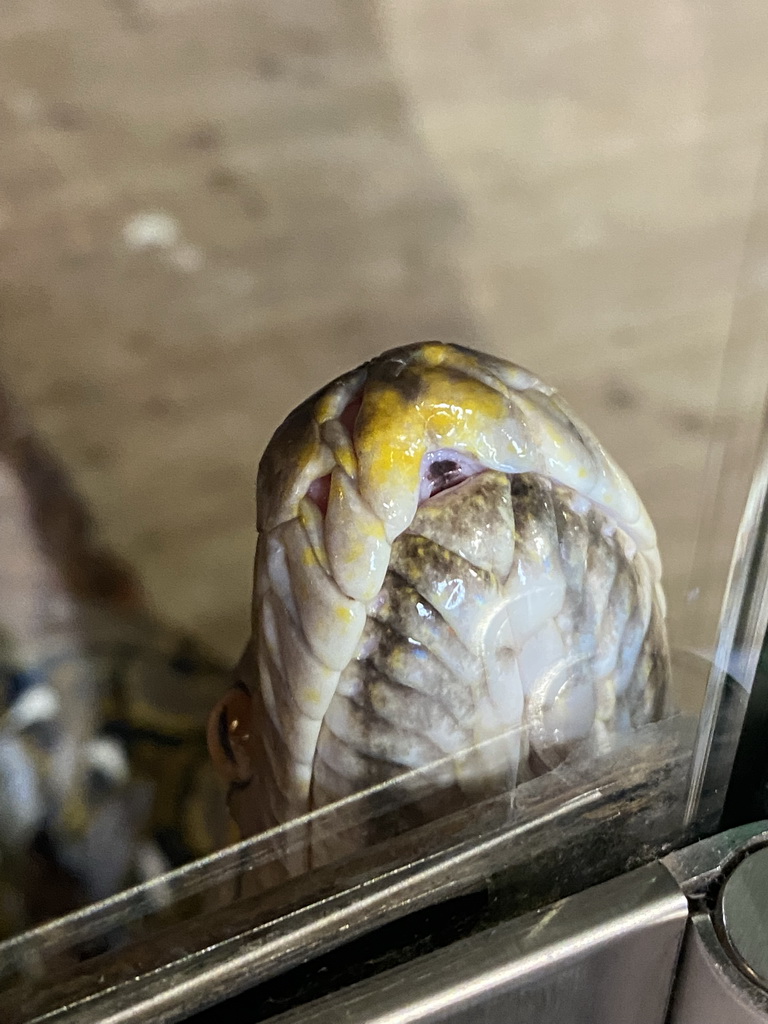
(105, 779)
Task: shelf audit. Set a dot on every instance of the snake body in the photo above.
(450, 571)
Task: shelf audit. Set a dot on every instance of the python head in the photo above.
(451, 574)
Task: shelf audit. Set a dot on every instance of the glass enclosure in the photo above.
(218, 212)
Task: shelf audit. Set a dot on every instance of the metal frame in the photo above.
(578, 831)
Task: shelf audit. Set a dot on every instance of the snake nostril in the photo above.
(444, 469)
(319, 491)
(444, 474)
(348, 417)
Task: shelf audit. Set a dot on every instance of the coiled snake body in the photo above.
(450, 570)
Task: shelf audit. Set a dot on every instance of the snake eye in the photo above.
(230, 741)
(444, 469)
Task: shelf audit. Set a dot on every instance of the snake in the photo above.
(450, 571)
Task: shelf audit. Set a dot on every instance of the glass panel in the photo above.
(236, 918)
(732, 532)
(589, 201)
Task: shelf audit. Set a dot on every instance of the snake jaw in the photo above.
(440, 536)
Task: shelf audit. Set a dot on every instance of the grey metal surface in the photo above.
(743, 914)
(603, 955)
(709, 988)
(700, 866)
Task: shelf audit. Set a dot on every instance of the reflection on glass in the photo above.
(729, 624)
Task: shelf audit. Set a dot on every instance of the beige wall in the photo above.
(209, 207)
